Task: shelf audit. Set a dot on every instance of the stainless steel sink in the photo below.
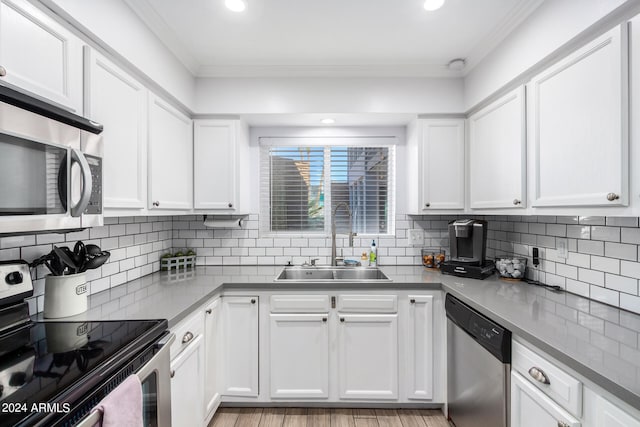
(328, 274)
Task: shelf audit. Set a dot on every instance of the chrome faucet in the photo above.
(333, 231)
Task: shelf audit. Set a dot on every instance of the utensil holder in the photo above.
(65, 296)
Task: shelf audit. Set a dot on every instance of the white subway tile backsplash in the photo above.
(559, 230)
(621, 250)
(621, 283)
(592, 220)
(579, 231)
(609, 234)
(591, 276)
(609, 265)
(590, 247)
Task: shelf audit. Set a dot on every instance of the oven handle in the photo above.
(164, 344)
(87, 182)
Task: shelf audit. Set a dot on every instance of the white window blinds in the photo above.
(301, 186)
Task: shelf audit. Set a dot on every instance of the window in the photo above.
(301, 186)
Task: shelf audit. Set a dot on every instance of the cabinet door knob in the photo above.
(539, 375)
(230, 205)
(173, 373)
(253, 301)
(3, 71)
(516, 202)
(426, 205)
(412, 301)
(342, 319)
(156, 203)
(612, 196)
(187, 337)
(208, 311)
(562, 424)
(324, 319)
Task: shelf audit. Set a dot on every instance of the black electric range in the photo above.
(55, 372)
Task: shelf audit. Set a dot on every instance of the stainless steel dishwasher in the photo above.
(479, 362)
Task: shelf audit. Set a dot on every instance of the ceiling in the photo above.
(348, 38)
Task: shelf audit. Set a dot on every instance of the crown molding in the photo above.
(150, 17)
(510, 22)
(335, 70)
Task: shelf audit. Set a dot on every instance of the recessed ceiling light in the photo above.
(327, 121)
(432, 5)
(235, 5)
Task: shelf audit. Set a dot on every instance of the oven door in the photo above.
(156, 390)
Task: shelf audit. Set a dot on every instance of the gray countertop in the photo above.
(598, 341)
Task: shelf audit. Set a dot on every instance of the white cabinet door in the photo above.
(119, 102)
(187, 387)
(497, 154)
(240, 346)
(368, 356)
(211, 365)
(214, 164)
(40, 55)
(299, 356)
(170, 157)
(579, 127)
(420, 347)
(609, 415)
(532, 408)
(442, 164)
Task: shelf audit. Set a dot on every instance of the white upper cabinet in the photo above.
(40, 55)
(214, 164)
(497, 151)
(119, 102)
(578, 120)
(170, 157)
(442, 164)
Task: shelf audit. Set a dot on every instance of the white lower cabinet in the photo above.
(299, 356)
(420, 347)
(211, 366)
(368, 356)
(239, 346)
(530, 407)
(187, 372)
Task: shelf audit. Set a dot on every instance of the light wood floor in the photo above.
(320, 417)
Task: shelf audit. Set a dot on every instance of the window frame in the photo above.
(265, 142)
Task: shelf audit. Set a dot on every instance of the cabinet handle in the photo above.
(539, 375)
(412, 301)
(156, 203)
(253, 301)
(426, 205)
(3, 71)
(516, 202)
(342, 319)
(562, 424)
(208, 311)
(187, 337)
(230, 205)
(612, 196)
(324, 319)
(172, 373)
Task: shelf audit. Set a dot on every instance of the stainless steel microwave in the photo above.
(50, 167)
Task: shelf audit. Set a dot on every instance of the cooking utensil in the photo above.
(95, 261)
(80, 254)
(63, 256)
(93, 249)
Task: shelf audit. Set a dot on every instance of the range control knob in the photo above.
(13, 278)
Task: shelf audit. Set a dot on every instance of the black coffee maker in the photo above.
(468, 248)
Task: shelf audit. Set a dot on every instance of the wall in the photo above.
(114, 24)
(247, 247)
(602, 261)
(550, 26)
(328, 95)
(136, 245)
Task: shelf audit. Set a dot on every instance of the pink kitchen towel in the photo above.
(123, 406)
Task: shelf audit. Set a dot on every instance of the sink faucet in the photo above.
(333, 231)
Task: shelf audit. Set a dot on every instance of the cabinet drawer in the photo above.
(299, 303)
(193, 325)
(368, 304)
(562, 387)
